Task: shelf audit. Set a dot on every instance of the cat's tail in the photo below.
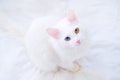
(9, 26)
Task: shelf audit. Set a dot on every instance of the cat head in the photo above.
(67, 33)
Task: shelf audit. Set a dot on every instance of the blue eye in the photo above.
(67, 38)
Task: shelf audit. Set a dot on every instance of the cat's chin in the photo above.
(77, 45)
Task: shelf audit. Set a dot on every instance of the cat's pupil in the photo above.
(76, 30)
(67, 38)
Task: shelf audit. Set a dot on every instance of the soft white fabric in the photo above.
(100, 16)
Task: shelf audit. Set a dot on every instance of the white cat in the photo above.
(62, 50)
(65, 49)
(66, 41)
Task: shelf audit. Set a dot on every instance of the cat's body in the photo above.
(45, 45)
(48, 52)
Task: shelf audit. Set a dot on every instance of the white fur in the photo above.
(103, 58)
(47, 53)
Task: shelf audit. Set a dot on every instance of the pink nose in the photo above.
(78, 41)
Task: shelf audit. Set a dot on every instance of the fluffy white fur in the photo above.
(47, 53)
(43, 45)
(101, 61)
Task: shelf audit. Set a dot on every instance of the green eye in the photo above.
(76, 30)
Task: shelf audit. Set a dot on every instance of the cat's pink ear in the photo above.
(71, 16)
(53, 32)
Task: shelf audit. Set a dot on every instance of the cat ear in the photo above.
(71, 16)
(53, 32)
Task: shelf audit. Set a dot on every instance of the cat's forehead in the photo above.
(65, 26)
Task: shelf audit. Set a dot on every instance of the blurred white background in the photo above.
(20, 13)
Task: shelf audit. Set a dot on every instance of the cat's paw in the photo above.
(57, 70)
(75, 68)
(63, 75)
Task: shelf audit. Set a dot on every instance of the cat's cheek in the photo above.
(61, 43)
(65, 44)
(70, 44)
(74, 44)
(81, 37)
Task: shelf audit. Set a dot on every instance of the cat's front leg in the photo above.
(72, 67)
(57, 74)
(75, 68)
(49, 67)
